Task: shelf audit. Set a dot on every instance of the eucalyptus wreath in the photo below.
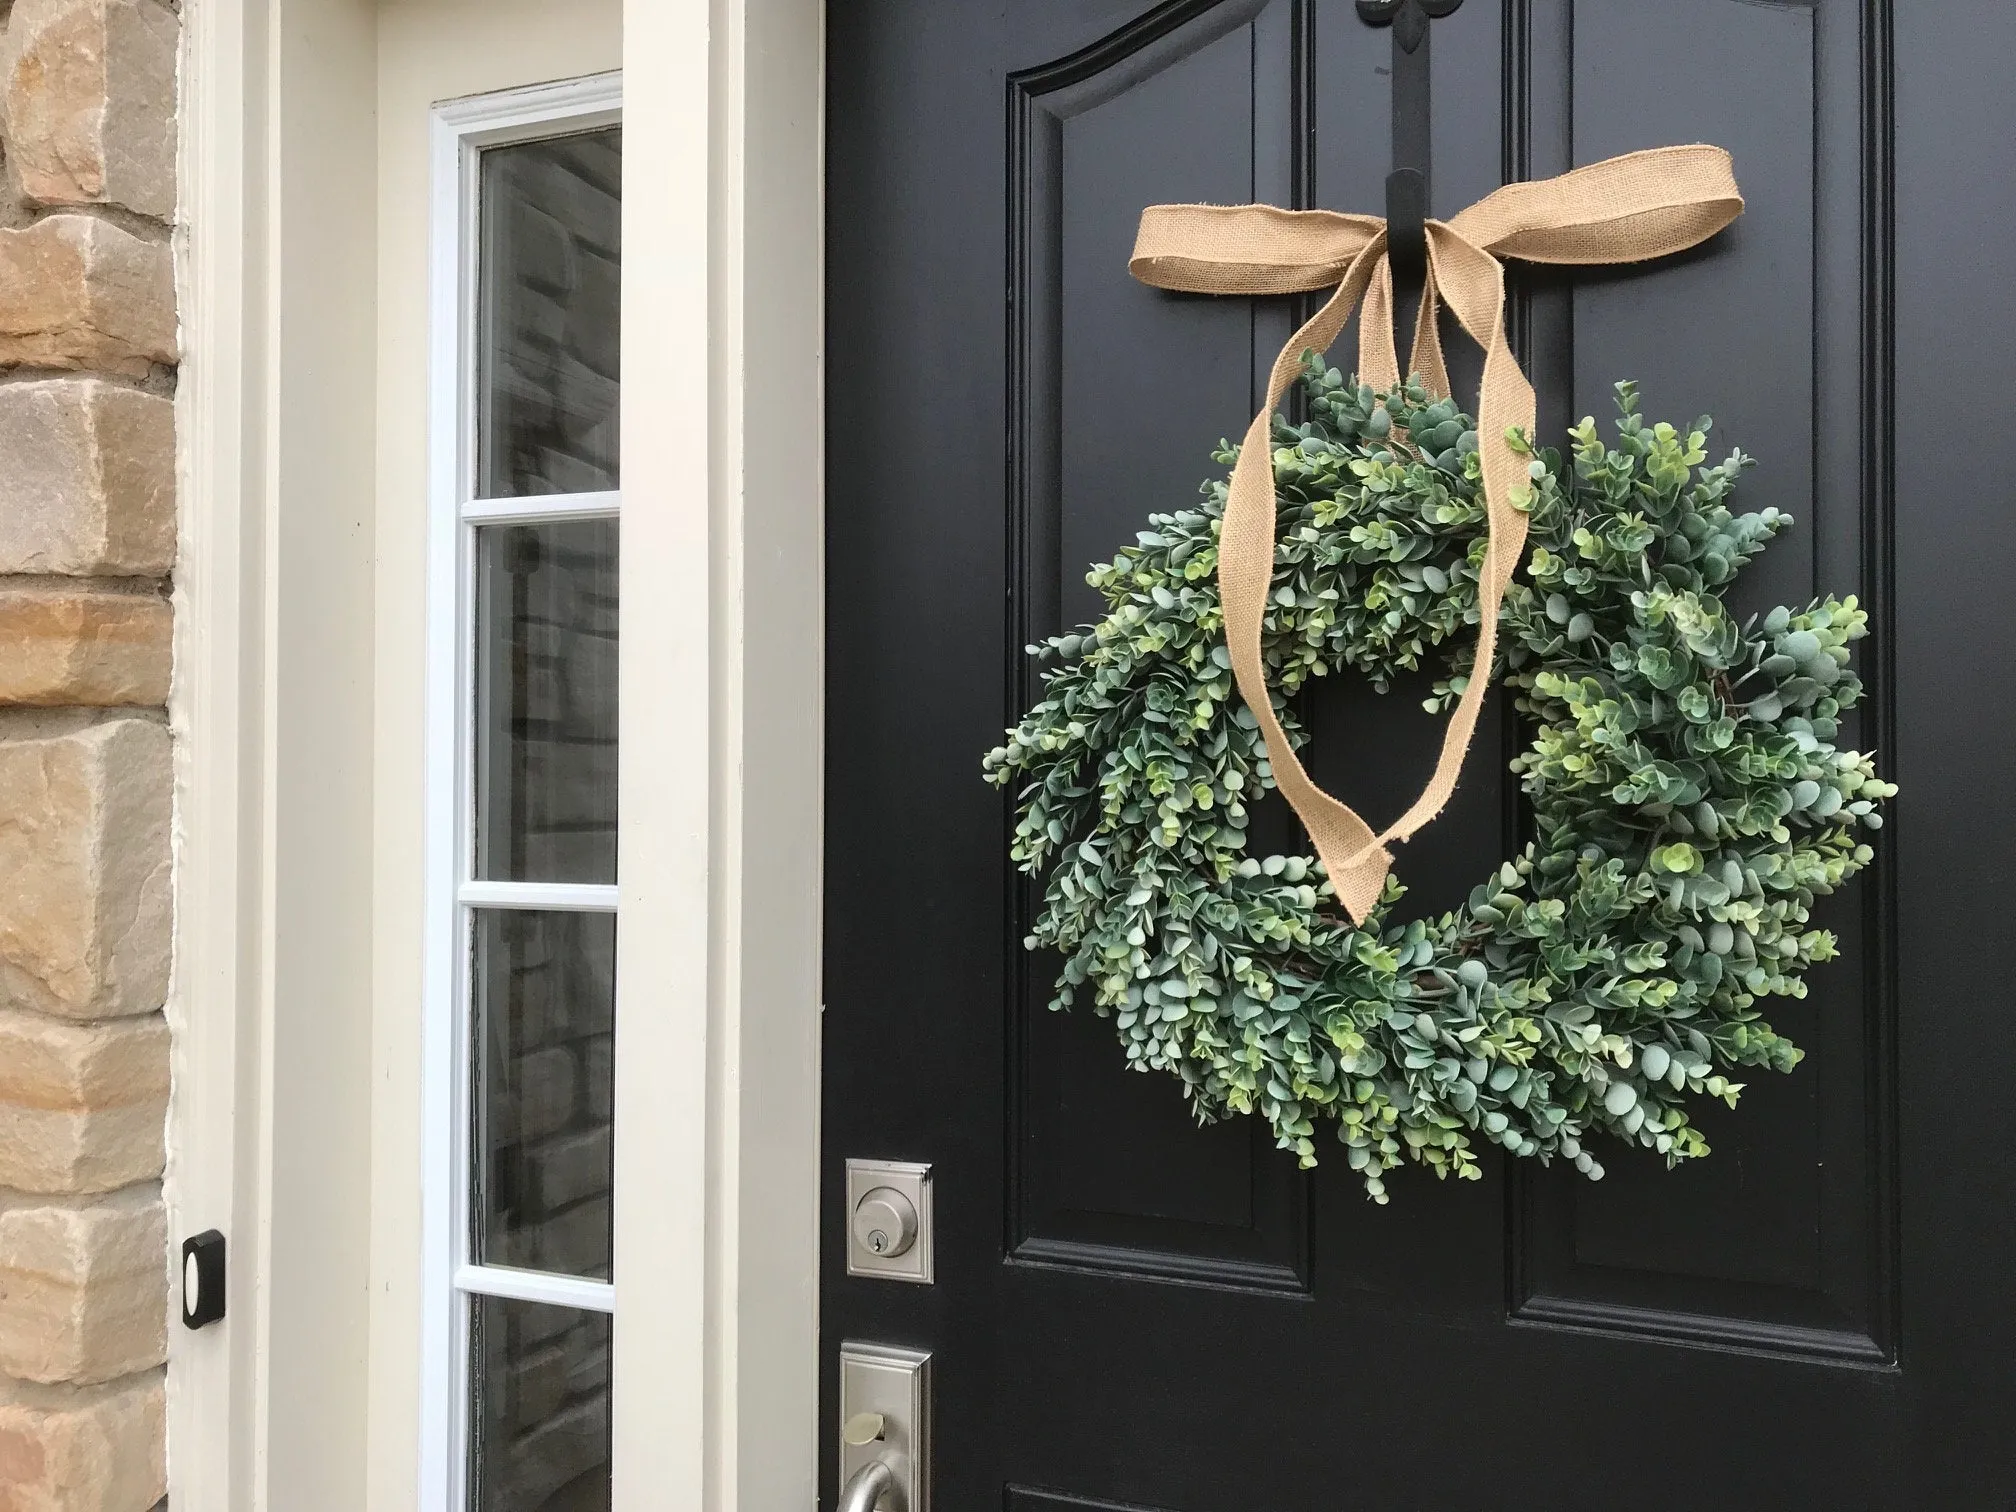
(1688, 799)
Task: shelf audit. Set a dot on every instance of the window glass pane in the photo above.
(540, 1380)
(544, 986)
(546, 702)
(547, 275)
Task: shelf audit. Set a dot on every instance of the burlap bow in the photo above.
(1625, 209)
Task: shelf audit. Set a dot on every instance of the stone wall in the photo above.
(87, 543)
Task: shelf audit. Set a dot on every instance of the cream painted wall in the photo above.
(428, 50)
(295, 1126)
(270, 1124)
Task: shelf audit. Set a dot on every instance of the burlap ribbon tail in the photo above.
(1626, 209)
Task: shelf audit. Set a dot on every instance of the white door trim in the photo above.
(722, 559)
(272, 1122)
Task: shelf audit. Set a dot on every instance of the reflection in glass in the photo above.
(540, 1386)
(547, 277)
(546, 702)
(544, 990)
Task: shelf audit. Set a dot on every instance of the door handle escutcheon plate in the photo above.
(885, 1421)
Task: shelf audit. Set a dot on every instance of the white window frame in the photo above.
(462, 130)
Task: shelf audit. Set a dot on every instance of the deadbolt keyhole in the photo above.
(885, 1222)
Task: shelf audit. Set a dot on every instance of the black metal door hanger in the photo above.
(1407, 184)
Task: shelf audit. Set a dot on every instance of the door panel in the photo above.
(1786, 1237)
(1106, 1171)
(1132, 1312)
(1109, 1173)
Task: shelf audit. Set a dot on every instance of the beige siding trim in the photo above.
(212, 996)
(716, 1381)
(270, 1129)
(295, 1104)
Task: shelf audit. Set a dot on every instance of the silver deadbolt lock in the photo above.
(889, 1220)
(885, 1223)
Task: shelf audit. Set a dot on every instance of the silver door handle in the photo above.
(885, 1429)
(870, 1484)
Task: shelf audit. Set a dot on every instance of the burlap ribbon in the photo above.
(1626, 209)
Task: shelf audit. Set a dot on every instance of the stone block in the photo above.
(81, 1105)
(602, 1078)
(89, 483)
(525, 1325)
(77, 291)
(87, 91)
(78, 645)
(84, 870)
(101, 1449)
(538, 1386)
(545, 1084)
(575, 1242)
(568, 1447)
(567, 1169)
(84, 1290)
(588, 1358)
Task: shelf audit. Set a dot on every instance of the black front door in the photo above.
(1129, 1311)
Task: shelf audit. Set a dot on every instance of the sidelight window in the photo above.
(523, 1000)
